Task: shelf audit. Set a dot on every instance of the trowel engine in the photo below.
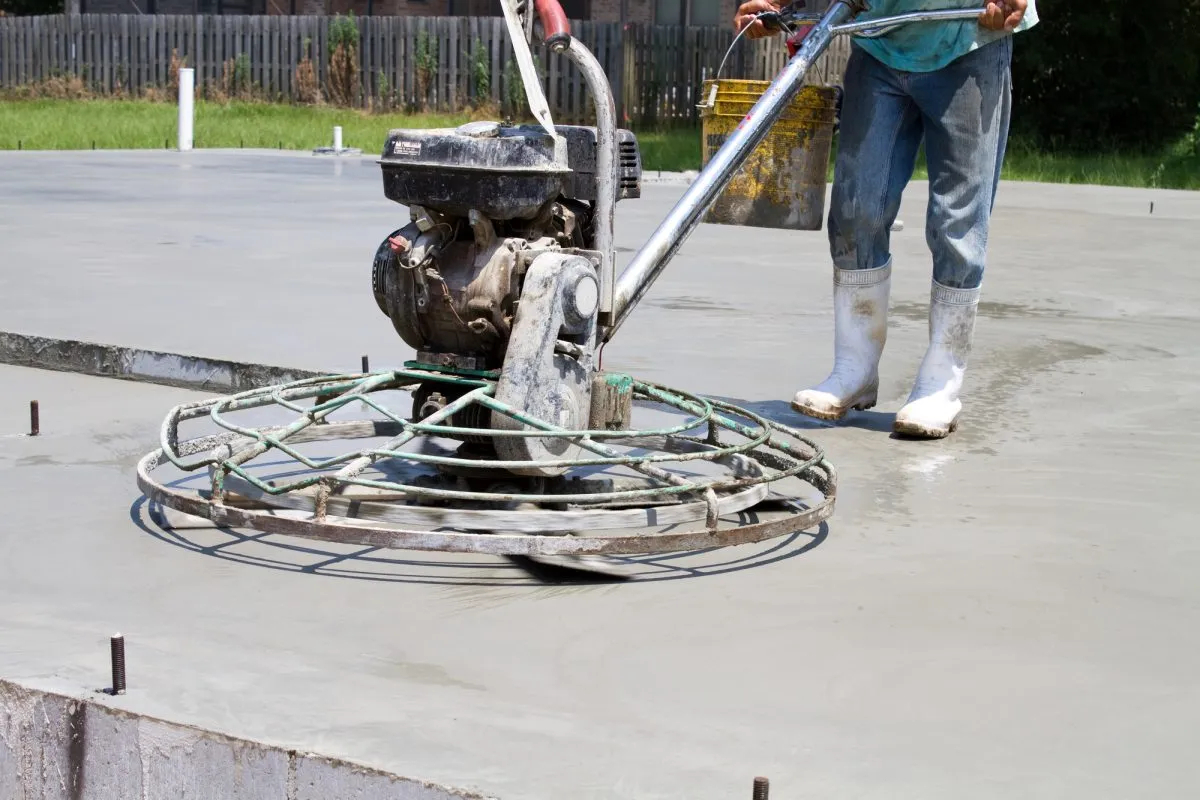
(496, 275)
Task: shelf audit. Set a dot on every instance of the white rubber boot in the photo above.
(860, 311)
(933, 407)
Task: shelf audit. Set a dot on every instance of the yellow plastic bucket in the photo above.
(782, 183)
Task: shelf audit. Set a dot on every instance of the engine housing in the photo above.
(504, 172)
(484, 199)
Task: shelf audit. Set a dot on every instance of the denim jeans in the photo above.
(961, 112)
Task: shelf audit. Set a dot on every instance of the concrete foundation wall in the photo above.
(56, 747)
(167, 369)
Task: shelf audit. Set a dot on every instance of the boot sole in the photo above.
(913, 430)
(831, 416)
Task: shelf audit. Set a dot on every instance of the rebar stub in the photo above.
(741, 479)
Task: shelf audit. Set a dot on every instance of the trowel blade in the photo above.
(529, 76)
(575, 569)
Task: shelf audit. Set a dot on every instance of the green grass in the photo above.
(1178, 168)
(134, 124)
(670, 151)
(1174, 169)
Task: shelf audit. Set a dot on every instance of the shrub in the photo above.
(343, 61)
(481, 75)
(426, 58)
(177, 64)
(305, 87)
(1099, 74)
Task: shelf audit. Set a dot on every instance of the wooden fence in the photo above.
(435, 63)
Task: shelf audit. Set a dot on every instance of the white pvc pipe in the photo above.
(187, 86)
(337, 139)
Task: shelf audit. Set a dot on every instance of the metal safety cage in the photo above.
(717, 475)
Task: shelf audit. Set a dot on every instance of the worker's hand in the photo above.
(745, 16)
(1003, 15)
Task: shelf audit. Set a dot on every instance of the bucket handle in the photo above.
(789, 18)
(784, 21)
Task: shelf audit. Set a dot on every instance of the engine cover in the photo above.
(503, 172)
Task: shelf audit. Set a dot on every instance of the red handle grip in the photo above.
(557, 30)
(796, 39)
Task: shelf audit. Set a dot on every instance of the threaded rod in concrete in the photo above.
(118, 664)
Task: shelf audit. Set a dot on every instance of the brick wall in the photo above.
(728, 8)
(138, 6)
(108, 7)
(606, 10)
(643, 10)
(610, 10)
(380, 8)
(422, 8)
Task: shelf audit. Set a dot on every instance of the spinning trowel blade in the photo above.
(577, 569)
(529, 77)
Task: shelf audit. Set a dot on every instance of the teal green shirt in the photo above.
(926, 46)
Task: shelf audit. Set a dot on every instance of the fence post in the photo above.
(628, 73)
(187, 82)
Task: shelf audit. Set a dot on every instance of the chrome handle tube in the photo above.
(606, 165)
(874, 28)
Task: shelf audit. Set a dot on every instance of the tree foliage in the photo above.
(1096, 74)
(29, 7)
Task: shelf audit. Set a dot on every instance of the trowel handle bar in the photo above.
(557, 30)
(648, 262)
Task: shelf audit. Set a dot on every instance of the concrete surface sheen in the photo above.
(1011, 612)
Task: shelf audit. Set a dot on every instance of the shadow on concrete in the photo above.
(781, 411)
(273, 551)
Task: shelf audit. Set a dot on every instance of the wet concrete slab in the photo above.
(1008, 612)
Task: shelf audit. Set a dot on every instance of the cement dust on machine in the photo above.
(504, 436)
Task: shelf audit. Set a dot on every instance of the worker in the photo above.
(947, 84)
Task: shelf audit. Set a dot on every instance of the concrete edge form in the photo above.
(56, 746)
(148, 366)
